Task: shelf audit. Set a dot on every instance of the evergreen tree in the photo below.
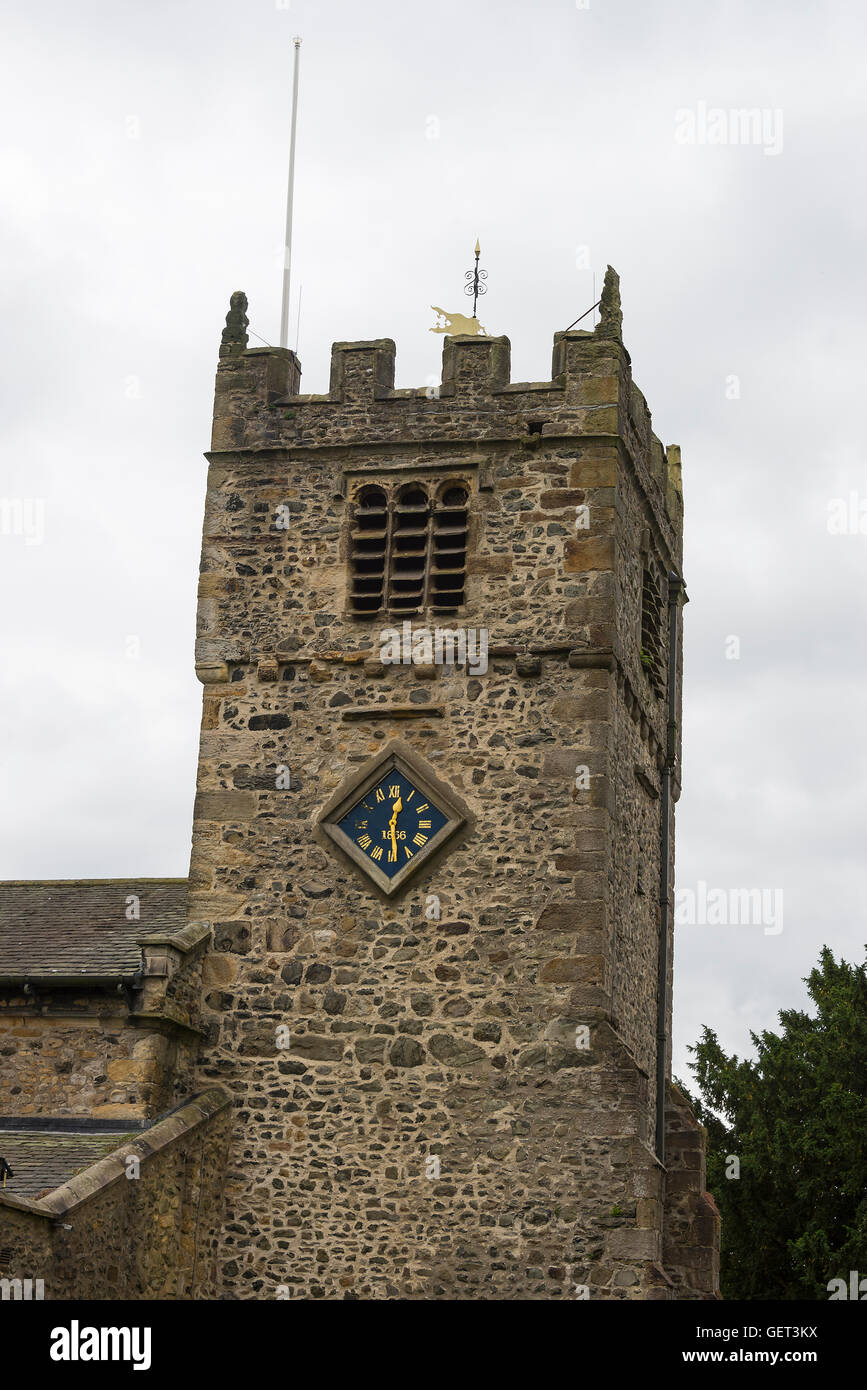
(796, 1118)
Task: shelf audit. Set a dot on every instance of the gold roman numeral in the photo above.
(394, 791)
(424, 825)
(380, 794)
(364, 841)
(410, 797)
(392, 856)
(407, 851)
(376, 852)
(423, 807)
(419, 840)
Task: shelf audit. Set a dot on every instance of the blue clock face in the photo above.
(393, 822)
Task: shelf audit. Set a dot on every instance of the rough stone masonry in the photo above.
(450, 1093)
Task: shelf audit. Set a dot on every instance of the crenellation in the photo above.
(674, 485)
(591, 395)
(362, 372)
(474, 367)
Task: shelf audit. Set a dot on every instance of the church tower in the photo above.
(439, 637)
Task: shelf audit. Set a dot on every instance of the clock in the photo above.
(393, 821)
(392, 817)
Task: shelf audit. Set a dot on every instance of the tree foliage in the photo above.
(796, 1118)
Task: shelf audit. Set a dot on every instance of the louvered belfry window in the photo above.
(408, 549)
(369, 541)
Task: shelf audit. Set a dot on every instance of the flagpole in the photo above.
(287, 254)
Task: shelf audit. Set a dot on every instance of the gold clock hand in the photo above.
(392, 824)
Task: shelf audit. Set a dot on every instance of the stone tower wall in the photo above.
(429, 1126)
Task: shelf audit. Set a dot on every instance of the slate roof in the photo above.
(76, 929)
(42, 1160)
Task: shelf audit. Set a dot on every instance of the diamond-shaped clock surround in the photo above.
(399, 756)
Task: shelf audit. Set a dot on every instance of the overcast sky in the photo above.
(144, 157)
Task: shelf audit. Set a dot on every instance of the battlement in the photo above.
(590, 395)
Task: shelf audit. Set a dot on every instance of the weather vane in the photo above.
(476, 280)
(460, 323)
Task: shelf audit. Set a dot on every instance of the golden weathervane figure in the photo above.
(460, 323)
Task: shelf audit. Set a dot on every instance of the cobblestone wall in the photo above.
(67, 1053)
(104, 1067)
